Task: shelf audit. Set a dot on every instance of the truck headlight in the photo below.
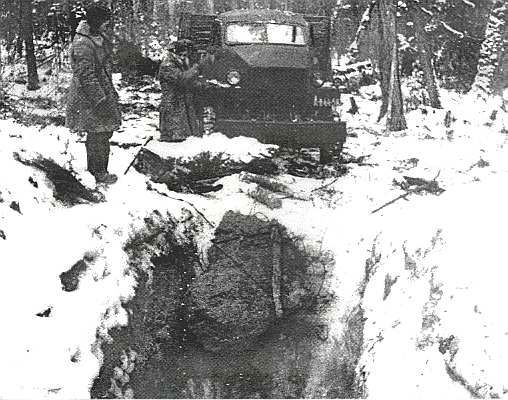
(317, 81)
(233, 77)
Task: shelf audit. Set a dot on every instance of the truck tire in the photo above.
(326, 153)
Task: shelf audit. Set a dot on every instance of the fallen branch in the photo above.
(402, 196)
(265, 197)
(150, 138)
(420, 186)
(360, 160)
(150, 187)
(272, 185)
(326, 185)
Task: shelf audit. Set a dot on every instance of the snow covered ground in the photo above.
(432, 298)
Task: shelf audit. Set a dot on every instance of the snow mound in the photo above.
(240, 148)
(431, 283)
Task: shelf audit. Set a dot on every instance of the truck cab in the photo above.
(271, 76)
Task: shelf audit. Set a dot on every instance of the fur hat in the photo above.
(98, 12)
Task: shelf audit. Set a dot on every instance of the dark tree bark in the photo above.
(425, 57)
(28, 38)
(395, 120)
(383, 52)
(19, 38)
(2, 93)
(387, 55)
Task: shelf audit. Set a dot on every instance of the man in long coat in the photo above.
(179, 83)
(92, 102)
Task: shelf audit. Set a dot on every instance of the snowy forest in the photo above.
(335, 229)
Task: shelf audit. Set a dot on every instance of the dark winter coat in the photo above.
(92, 101)
(178, 118)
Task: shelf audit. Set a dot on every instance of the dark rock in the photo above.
(44, 313)
(15, 206)
(230, 311)
(233, 302)
(70, 278)
(2, 235)
(33, 182)
(76, 356)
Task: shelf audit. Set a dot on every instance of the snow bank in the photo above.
(240, 148)
(434, 299)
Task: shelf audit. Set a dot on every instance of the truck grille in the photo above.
(276, 83)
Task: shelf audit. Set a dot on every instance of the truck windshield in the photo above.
(264, 33)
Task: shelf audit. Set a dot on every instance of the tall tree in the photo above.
(2, 92)
(28, 38)
(395, 120)
(380, 16)
(387, 58)
(425, 55)
(487, 80)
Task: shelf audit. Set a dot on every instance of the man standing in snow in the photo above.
(92, 105)
(179, 81)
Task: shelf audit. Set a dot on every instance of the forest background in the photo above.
(458, 44)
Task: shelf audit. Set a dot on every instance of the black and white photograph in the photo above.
(241, 199)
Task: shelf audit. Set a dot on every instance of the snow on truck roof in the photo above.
(275, 16)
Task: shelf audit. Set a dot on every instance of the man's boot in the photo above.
(103, 150)
(104, 177)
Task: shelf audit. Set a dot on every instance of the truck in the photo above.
(271, 78)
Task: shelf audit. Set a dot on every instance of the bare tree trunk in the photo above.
(2, 92)
(395, 120)
(19, 38)
(383, 52)
(425, 58)
(491, 52)
(28, 37)
(387, 57)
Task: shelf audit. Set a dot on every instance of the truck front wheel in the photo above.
(326, 153)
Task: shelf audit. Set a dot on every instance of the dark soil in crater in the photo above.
(197, 332)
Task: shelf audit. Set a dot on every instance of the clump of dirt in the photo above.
(256, 274)
(70, 278)
(67, 188)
